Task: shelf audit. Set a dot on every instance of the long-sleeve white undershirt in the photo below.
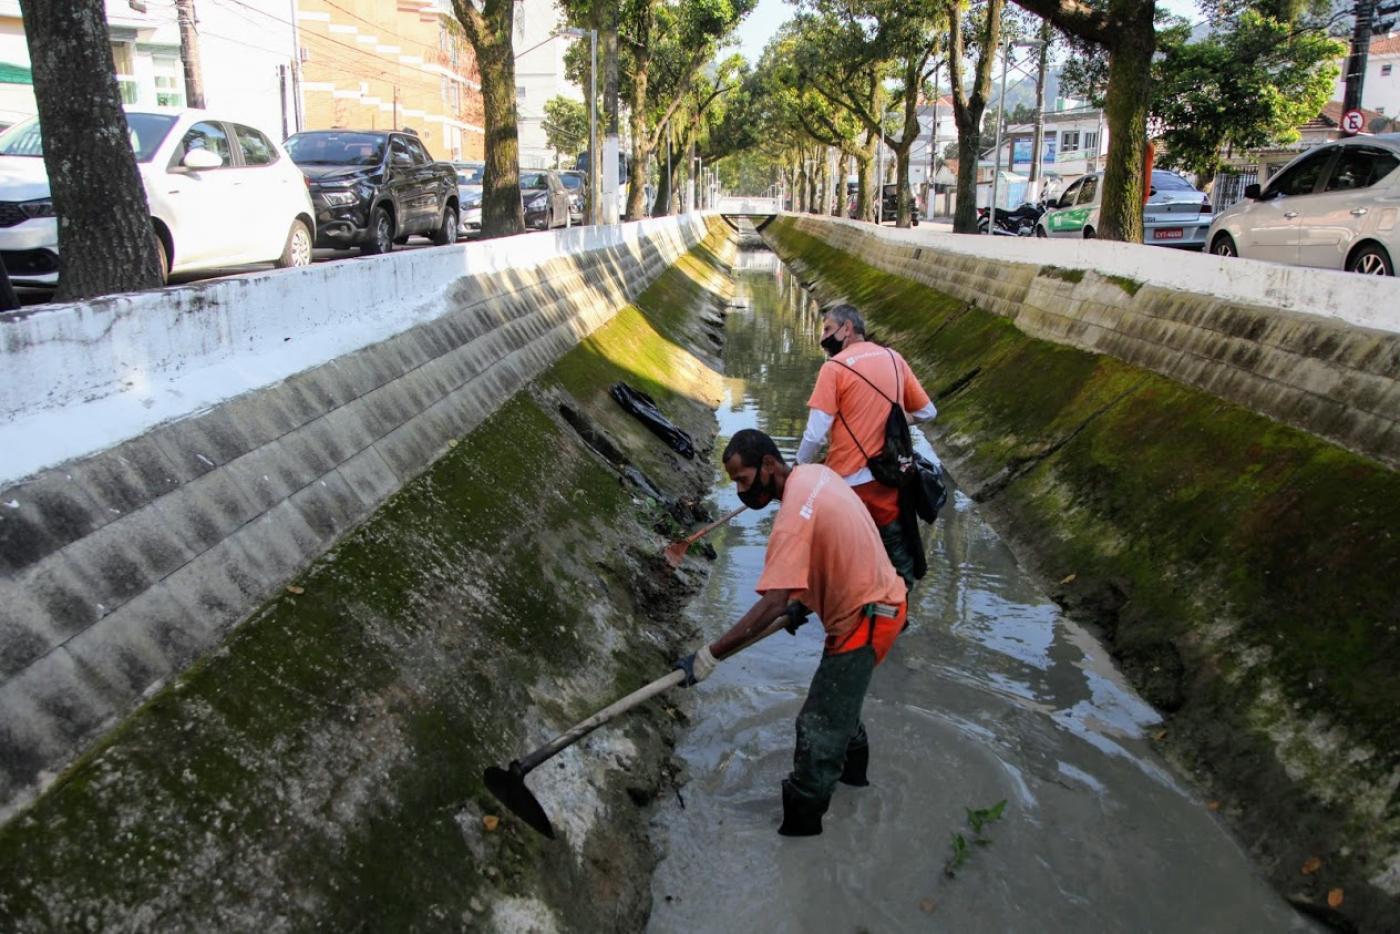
(819, 429)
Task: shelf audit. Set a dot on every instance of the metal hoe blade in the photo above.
(508, 785)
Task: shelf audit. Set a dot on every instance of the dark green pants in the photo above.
(829, 724)
(896, 543)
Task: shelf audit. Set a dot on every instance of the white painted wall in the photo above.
(79, 378)
(1367, 301)
(1380, 91)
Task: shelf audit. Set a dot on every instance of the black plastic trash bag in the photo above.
(643, 407)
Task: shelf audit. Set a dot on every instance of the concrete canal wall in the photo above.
(1198, 457)
(170, 460)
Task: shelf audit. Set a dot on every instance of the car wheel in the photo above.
(381, 233)
(1088, 233)
(1224, 245)
(1371, 260)
(163, 257)
(297, 251)
(447, 232)
(1040, 232)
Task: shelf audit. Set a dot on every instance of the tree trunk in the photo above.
(489, 32)
(842, 196)
(661, 205)
(901, 176)
(1038, 143)
(1125, 109)
(637, 173)
(189, 54)
(823, 177)
(105, 244)
(611, 110)
(865, 191)
(965, 210)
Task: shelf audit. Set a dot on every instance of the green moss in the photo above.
(336, 735)
(1058, 272)
(1125, 283)
(1204, 509)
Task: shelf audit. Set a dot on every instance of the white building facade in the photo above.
(1380, 88)
(247, 49)
(539, 76)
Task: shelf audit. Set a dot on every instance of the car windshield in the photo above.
(336, 148)
(1170, 181)
(571, 181)
(148, 131)
(533, 180)
(468, 174)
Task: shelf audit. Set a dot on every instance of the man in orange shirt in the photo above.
(850, 405)
(824, 553)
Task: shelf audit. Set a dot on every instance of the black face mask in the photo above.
(759, 494)
(832, 345)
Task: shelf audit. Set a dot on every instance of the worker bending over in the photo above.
(825, 553)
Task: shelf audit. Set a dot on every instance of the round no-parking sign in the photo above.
(1352, 122)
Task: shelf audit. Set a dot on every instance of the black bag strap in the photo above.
(851, 369)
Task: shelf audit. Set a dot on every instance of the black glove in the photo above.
(697, 666)
(796, 615)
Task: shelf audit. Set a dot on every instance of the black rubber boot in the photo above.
(801, 818)
(857, 761)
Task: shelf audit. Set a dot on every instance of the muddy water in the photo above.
(990, 696)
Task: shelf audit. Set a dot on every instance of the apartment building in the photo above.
(1380, 88)
(539, 76)
(381, 64)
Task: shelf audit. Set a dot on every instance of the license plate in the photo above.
(1168, 233)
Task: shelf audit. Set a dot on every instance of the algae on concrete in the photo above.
(1242, 571)
(322, 768)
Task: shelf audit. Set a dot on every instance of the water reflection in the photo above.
(990, 695)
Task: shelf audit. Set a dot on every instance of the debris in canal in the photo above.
(643, 407)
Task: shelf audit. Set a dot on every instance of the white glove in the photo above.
(697, 666)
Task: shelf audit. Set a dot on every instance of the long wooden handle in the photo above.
(694, 537)
(640, 696)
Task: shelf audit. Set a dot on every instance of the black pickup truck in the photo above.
(375, 188)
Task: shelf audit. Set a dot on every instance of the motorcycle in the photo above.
(1018, 223)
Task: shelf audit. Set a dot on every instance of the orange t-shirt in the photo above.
(839, 390)
(825, 549)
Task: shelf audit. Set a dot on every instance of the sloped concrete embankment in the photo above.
(322, 766)
(1210, 480)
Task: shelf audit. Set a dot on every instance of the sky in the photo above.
(760, 25)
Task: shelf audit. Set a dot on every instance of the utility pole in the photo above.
(189, 54)
(929, 190)
(610, 105)
(1360, 49)
(1038, 143)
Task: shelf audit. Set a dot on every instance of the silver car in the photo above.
(1175, 215)
(1336, 206)
(469, 176)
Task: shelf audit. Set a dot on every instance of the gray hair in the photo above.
(846, 314)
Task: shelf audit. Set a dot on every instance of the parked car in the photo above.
(545, 198)
(469, 180)
(375, 188)
(889, 204)
(220, 194)
(1333, 207)
(577, 183)
(1175, 215)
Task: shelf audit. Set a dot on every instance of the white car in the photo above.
(220, 194)
(1336, 207)
(1174, 215)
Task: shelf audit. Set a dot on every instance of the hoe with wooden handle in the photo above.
(508, 784)
(675, 552)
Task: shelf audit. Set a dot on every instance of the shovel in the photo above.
(675, 552)
(508, 784)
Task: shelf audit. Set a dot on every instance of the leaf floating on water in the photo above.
(1311, 865)
(490, 822)
(1334, 898)
(926, 905)
(294, 589)
(1071, 579)
(1212, 806)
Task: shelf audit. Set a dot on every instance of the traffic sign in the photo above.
(1353, 122)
